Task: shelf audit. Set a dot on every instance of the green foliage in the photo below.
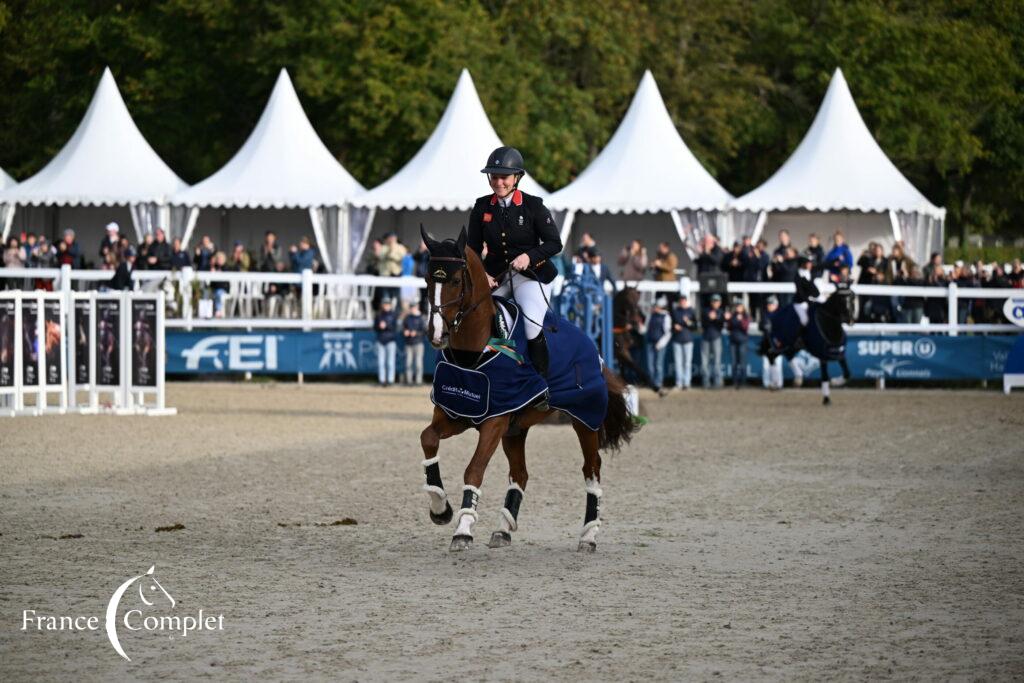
(938, 83)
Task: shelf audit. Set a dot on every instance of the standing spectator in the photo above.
(143, 260)
(270, 253)
(389, 262)
(385, 324)
(633, 261)
(179, 257)
(912, 307)
(934, 263)
(711, 343)
(964, 278)
(13, 258)
(240, 260)
(935, 307)
(738, 322)
(413, 327)
(110, 246)
(785, 243)
(302, 256)
(204, 253)
(122, 279)
(734, 263)
(159, 252)
(44, 255)
(994, 307)
(784, 267)
(771, 371)
(710, 256)
(602, 272)
(73, 255)
(219, 264)
(422, 260)
(684, 322)
(1016, 275)
(873, 268)
(839, 255)
(586, 243)
(816, 254)
(659, 333)
(665, 263)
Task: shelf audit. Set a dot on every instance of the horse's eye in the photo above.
(456, 281)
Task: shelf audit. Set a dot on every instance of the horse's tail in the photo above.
(618, 426)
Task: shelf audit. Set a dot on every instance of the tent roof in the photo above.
(6, 181)
(445, 173)
(838, 166)
(283, 164)
(106, 162)
(645, 167)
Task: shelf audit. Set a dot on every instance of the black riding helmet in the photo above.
(505, 161)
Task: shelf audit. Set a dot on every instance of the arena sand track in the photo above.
(747, 536)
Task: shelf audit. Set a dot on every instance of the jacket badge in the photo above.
(520, 221)
(487, 218)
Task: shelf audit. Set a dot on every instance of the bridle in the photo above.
(467, 285)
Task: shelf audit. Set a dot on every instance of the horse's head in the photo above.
(449, 286)
(148, 585)
(840, 304)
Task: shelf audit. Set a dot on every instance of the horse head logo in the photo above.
(147, 586)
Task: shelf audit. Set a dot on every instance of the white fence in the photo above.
(345, 301)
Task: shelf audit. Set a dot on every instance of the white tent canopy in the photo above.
(106, 162)
(839, 168)
(283, 165)
(444, 175)
(646, 167)
(6, 181)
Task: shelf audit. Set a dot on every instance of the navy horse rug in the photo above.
(820, 338)
(504, 380)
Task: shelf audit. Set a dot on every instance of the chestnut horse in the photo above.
(461, 315)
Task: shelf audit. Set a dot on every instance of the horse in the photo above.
(626, 318)
(823, 336)
(462, 317)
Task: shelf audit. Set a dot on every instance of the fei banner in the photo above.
(270, 352)
(898, 357)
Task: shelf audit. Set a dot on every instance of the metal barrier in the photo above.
(326, 301)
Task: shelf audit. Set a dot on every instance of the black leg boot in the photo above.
(539, 353)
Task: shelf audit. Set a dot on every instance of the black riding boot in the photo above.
(539, 353)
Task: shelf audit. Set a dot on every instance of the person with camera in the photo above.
(658, 336)
(633, 261)
(684, 324)
(738, 323)
(712, 322)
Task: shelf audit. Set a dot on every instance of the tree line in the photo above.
(938, 82)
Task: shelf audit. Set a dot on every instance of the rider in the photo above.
(522, 239)
(805, 288)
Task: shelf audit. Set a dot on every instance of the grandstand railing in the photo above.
(319, 301)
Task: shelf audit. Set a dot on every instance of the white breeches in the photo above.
(801, 312)
(530, 296)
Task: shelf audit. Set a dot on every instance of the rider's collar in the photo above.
(516, 198)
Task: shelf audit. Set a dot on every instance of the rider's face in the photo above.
(502, 184)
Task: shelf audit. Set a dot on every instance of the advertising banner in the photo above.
(53, 331)
(144, 343)
(8, 310)
(29, 343)
(108, 342)
(83, 322)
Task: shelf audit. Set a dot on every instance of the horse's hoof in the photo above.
(586, 547)
(500, 539)
(826, 401)
(444, 517)
(460, 543)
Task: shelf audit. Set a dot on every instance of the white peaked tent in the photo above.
(839, 178)
(106, 162)
(283, 165)
(439, 185)
(645, 168)
(6, 181)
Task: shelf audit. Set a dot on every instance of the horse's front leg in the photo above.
(491, 431)
(441, 427)
(515, 450)
(825, 399)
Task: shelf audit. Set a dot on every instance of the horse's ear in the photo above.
(461, 242)
(428, 239)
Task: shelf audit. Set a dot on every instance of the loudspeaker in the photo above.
(713, 283)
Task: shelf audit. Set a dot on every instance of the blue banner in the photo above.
(898, 357)
(270, 352)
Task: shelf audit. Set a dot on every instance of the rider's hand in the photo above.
(491, 282)
(520, 262)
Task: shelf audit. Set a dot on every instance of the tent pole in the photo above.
(317, 218)
(762, 218)
(8, 213)
(570, 216)
(190, 225)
